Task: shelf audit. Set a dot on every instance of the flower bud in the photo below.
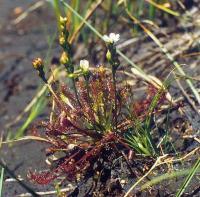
(108, 55)
(62, 40)
(38, 64)
(64, 59)
(63, 21)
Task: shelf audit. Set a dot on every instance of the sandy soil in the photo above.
(19, 44)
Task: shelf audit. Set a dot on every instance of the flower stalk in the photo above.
(66, 57)
(39, 66)
(113, 59)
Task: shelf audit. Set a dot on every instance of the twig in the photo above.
(187, 97)
(170, 160)
(154, 166)
(26, 138)
(191, 136)
(25, 14)
(46, 193)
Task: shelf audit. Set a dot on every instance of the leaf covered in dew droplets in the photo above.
(88, 125)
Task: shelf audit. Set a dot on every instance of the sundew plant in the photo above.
(95, 124)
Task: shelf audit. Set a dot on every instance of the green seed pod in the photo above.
(108, 55)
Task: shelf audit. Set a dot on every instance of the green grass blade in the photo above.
(166, 176)
(1, 181)
(188, 178)
(154, 4)
(75, 21)
(35, 111)
(100, 36)
(139, 9)
(152, 12)
(82, 19)
(56, 7)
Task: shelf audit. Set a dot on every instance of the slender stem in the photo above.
(88, 93)
(109, 15)
(115, 89)
(76, 92)
(188, 178)
(1, 181)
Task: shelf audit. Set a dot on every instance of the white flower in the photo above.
(112, 38)
(84, 65)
